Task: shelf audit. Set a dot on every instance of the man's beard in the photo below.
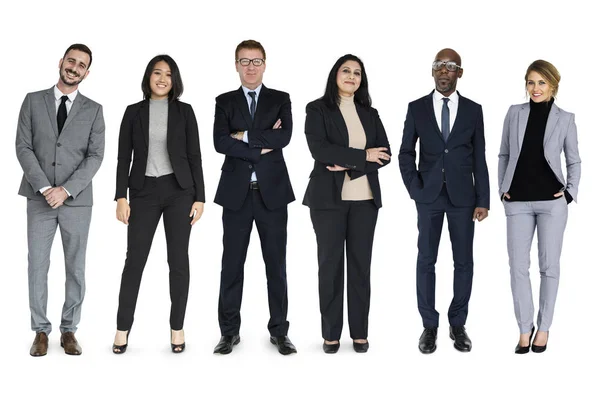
(63, 78)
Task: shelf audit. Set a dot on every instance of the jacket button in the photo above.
(249, 166)
(58, 144)
(442, 170)
(53, 163)
(446, 151)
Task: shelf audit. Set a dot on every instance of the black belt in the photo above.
(254, 185)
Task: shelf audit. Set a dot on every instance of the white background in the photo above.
(497, 41)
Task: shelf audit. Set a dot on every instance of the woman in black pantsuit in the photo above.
(165, 180)
(348, 142)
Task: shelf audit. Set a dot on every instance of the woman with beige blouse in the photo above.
(348, 142)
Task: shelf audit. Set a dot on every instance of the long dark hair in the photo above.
(332, 95)
(176, 82)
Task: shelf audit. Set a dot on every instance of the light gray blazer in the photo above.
(69, 160)
(560, 135)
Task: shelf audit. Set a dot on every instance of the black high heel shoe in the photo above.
(176, 348)
(525, 349)
(540, 349)
(120, 349)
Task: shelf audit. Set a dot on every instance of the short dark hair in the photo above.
(332, 95)
(176, 82)
(250, 45)
(80, 47)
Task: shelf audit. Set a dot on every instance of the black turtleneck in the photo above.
(533, 179)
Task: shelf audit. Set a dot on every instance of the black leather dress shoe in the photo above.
(360, 348)
(539, 349)
(521, 350)
(284, 345)
(331, 348)
(226, 344)
(462, 342)
(427, 340)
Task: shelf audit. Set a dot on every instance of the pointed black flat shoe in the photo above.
(331, 348)
(360, 348)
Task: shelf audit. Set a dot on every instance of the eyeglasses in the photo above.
(255, 61)
(451, 66)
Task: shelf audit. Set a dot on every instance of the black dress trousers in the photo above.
(159, 196)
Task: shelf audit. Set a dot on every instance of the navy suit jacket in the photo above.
(460, 160)
(241, 159)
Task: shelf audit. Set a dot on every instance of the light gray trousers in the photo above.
(522, 219)
(74, 223)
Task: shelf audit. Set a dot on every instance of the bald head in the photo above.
(448, 54)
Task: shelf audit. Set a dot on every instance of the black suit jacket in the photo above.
(183, 146)
(328, 139)
(461, 159)
(241, 159)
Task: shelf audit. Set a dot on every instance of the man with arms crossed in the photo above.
(252, 126)
(60, 146)
(452, 179)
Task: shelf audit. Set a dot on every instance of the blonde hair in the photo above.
(547, 71)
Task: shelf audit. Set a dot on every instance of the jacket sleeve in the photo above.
(225, 144)
(124, 154)
(504, 154)
(480, 170)
(323, 150)
(193, 153)
(572, 159)
(381, 140)
(24, 147)
(407, 156)
(274, 138)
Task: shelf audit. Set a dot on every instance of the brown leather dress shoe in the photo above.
(40, 345)
(69, 342)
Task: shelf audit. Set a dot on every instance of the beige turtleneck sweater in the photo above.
(357, 189)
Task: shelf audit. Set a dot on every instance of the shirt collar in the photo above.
(437, 96)
(58, 94)
(257, 90)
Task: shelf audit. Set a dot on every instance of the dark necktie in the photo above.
(252, 94)
(445, 119)
(61, 116)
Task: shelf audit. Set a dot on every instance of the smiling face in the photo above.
(538, 88)
(73, 68)
(445, 81)
(348, 78)
(160, 81)
(251, 76)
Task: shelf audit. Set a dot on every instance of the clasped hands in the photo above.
(124, 211)
(55, 196)
(240, 136)
(376, 155)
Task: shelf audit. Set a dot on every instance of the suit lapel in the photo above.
(263, 104)
(523, 117)
(551, 124)
(173, 120)
(338, 121)
(77, 104)
(460, 110)
(51, 108)
(365, 120)
(243, 106)
(144, 116)
(431, 113)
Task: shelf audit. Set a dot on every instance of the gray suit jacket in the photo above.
(560, 135)
(69, 160)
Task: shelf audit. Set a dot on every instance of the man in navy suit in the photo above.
(252, 126)
(452, 179)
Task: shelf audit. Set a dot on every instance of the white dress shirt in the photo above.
(249, 100)
(438, 103)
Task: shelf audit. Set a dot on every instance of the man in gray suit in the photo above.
(60, 146)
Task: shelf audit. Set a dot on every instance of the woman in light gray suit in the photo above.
(535, 195)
